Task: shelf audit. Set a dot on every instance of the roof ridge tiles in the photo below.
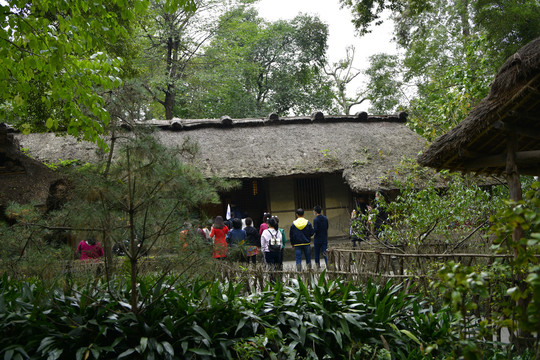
(273, 119)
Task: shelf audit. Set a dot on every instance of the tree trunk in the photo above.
(133, 253)
(169, 105)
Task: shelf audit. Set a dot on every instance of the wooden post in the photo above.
(514, 187)
(512, 177)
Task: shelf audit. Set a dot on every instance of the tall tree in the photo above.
(58, 61)
(343, 73)
(252, 67)
(507, 25)
(447, 44)
(174, 37)
(384, 84)
(446, 60)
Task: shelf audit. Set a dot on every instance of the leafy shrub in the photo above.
(212, 320)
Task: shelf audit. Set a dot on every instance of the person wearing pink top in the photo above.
(90, 249)
(264, 224)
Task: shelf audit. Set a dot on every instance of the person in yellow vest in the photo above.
(300, 237)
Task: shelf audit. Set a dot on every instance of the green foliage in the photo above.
(507, 25)
(40, 48)
(172, 40)
(63, 163)
(526, 215)
(145, 198)
(366, 12)
(448, 97)
(451, 52)
(384, 83)
(498, 295)
(252, 68)
(431, 214)
(145, 176)
(456, 282)
(481, 302)
(59, 59)
(28, 249)
(208, 319)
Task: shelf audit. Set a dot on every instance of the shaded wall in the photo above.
(281, 201)
(337, 198)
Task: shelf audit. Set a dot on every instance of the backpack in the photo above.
(275, 242)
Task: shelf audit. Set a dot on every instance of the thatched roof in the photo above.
(364, 148)
(478, 143)
(22, 179)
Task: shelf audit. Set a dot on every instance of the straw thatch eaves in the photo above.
(512, 110)
(366, 149)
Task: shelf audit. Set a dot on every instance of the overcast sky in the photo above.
(341, 32)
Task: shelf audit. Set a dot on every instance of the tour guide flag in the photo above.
(228, 216)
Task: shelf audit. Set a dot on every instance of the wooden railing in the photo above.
(373, 263)
(346, 264)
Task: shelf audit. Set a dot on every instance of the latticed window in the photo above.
(308, 192)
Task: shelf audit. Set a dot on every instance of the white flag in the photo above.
(228, 216)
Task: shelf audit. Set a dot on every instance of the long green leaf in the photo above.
(126, 353)
(202, 332)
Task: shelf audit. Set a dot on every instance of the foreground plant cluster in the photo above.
(204, 319)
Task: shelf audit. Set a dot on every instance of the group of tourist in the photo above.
(239, 239)
(270, 239)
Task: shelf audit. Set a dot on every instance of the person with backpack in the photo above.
(300, 236)
(271, 242)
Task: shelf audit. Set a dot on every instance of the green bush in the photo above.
(211, 320)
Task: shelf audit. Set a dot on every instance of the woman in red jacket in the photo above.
(219, 232)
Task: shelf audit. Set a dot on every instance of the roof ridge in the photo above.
(225, 121)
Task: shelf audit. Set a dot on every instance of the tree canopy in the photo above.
(252, 67)
(452, 50)
(69, 67)
(59, 60)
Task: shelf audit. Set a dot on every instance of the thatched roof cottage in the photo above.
(283, 164)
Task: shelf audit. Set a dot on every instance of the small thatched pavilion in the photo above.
(282, 163)
(502, 134)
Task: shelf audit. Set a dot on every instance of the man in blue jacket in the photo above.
(320, 240)
(300, 236)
